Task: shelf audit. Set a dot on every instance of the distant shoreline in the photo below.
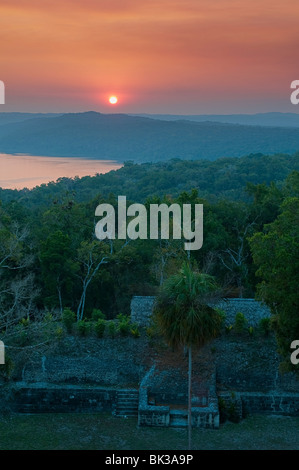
(20, 171)
(12, 154)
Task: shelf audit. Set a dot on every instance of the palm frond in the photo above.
(182, 311)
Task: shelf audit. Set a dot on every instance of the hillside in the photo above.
(7, 118)
(122, 137)
(273, 119)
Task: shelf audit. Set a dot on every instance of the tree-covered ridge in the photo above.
(121, 137)
(224, 178)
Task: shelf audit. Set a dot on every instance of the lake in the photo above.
(27, 171)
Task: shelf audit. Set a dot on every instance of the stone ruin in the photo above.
(160, 406)
(254, 311)
(142, 309)
(159, 399)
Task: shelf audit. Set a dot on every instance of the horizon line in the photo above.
(151, 114)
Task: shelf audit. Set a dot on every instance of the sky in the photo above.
(156, 56)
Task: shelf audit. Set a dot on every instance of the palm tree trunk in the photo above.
(189, 398)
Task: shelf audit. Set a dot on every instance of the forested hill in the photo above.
(272, 119)
(8, 118)
(122, 137)
(223, 178)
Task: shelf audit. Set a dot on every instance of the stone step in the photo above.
(127, 398)
(129, 406)
(128, 394)
(134, 407)
(124, 408)
(127, 403)
(178, 418)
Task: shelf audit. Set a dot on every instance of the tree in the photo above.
(266, 202)
(57, 268)
(275, 254)
(166, 257)
(184, 316)
(235, 259)
(17, 283)
(91, 256)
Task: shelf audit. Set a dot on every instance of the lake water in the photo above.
(27, 171)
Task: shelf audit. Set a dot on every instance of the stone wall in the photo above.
(101, 362)
(150, 415)
(41, 398)
(154, 416)
(240, 405)
(68, 399)
(271, 403)
(254, 311)
(206, 417)
(251, 363)
(142, 309)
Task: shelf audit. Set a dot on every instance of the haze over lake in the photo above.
(27, 171)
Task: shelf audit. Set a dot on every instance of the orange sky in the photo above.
(157, 56)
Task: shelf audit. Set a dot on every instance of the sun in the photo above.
(113, 100)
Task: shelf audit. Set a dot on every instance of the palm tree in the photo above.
(184, 316)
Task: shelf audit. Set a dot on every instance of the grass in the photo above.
(105, 432)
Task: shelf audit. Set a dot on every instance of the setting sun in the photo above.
(113, 100)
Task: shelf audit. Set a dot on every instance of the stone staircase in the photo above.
(127, 403)
(178, 418)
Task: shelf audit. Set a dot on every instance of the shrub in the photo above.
(68, 319)
(100, 327)
(135, 331)
(25, 322)
(240, 322)
(122, 317)
(59, 333)
(112, 329)
(228, 410)
(124, 324)
(228, 328)
(83, 327)
(97, 314)
(265, 326)
(221, 314)
(124, 328)
(48, 317)
(150, 331)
